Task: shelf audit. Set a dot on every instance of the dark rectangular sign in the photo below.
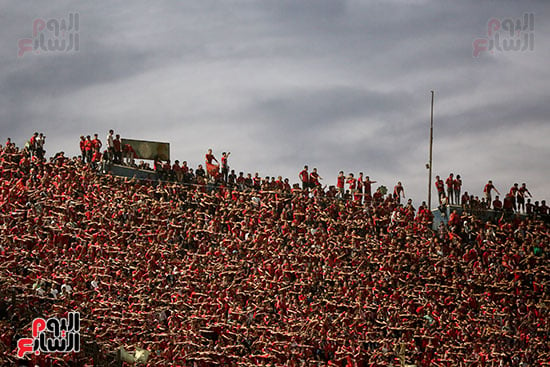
(149, 149)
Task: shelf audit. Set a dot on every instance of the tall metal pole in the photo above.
(431, 146)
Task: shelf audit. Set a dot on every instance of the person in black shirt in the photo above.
(225, 166)
(231, 178)
(200, 172)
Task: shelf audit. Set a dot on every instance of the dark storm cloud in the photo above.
(487, 118)
(317, 108)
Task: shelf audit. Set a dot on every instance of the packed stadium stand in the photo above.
(208, 275)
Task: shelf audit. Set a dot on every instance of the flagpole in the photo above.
(431, 148)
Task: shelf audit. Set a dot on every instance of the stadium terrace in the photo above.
(210, 269)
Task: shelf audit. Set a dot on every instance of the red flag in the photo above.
(212, 169)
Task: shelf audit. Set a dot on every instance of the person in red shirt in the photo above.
(509, 203)
(487, 191)
(88, 147)
(359, 194)
(279, 184)
(118, 149)
(513, 194)
(304, 177)
(454, 219)
(286, 185)
(211, 169)
(340, 181)
(184, 169)
(96, 158)
(241, 181)
(368, 188)
(177, 170)
(377, 196)
(129, 154)
(450, 188)
(24, 164)
(96, 143)
(83, 148)
(352, 182)
(440, 186)
(33, 143)
(210, 157)
(514, 190)
(314, 178)
(398, 191)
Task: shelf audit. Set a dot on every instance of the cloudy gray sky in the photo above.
(339, 85)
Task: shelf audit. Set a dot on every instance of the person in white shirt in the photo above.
(40, 141)
(111, 145)
(111, 139)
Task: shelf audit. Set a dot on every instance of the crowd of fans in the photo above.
(359, 189)
(252, 272)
